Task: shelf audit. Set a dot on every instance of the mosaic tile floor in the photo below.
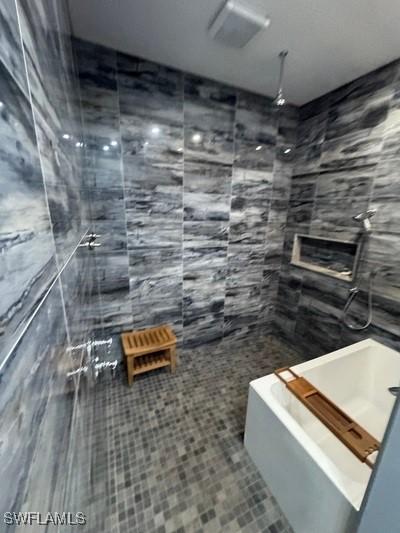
(169, 454)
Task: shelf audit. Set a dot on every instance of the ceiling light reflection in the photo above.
(196, 138)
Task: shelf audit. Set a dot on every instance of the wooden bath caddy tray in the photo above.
(352, 435)
(148, 349)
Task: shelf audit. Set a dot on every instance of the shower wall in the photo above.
(44, 215)
(348, 160)
(191, 192)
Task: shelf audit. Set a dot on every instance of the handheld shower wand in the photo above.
(365, 219)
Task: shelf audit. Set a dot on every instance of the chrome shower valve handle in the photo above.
(91, 242)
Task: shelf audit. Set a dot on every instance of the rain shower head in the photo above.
(364, 218)
(280, 99)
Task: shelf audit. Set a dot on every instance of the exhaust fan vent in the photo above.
(236, 23)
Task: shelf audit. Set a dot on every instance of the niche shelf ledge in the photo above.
(330, 257)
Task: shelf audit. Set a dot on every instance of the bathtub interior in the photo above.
(357, 380)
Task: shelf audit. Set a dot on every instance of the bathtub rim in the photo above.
(263, 387)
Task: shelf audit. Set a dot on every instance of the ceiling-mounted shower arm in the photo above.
(280, 99)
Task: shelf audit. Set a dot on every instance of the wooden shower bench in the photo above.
(148, 349)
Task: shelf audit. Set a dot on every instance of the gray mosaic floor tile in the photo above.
(168, 454)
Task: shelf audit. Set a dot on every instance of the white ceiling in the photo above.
(330, 42)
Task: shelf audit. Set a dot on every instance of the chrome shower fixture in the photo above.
(280, 99)
(364, 218)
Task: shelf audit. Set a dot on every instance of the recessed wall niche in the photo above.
(331, 257)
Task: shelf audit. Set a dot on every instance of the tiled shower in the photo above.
(191, 185)
(204, 198)
(196, 190)
(47, 283)
(347, 161)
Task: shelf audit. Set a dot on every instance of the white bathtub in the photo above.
(316, 480)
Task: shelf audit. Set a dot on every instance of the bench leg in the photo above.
(129, 369)
(172, 356)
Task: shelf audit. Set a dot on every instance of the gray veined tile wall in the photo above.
(210, 208)
(347, 161)
(191, 194)
(44, 214)
(27, 259)
(209, 114)
(151, 107)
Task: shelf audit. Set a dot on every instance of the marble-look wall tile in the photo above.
(202, 329)
(53, 80)
(54, 87)
(245, 264)
(387, 216)
(205, 190)
(36, 415)
(209, 115)
(310, 138)
(11, 55)
(113, 285)
(79, 287)
(43, 219)
(316, 341)
(352, 150)
(288, 297)
(209, 110)
(255, 132)
(308, 158)
(252, 184)
(278, 212)
(346, 183)
(367, 114)
(373, 84)
(385, 184)
(242, 310)
(268, 298)
(311, 131)
(328, 216)
(301, 203)
(151, 125)
(384, 328)
(353, 133)
(112, 263)
(273, 248)
(164, 311)
(203, 292)
(149, 90)
(251, 192)
(96, 66)
(108, 218)
(27, 249)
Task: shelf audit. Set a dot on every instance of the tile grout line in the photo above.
(183, 208)
(232, 171)
(122, 169)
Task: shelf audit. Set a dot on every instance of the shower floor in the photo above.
(168, 453)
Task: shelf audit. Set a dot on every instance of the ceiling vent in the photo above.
(236, 23)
